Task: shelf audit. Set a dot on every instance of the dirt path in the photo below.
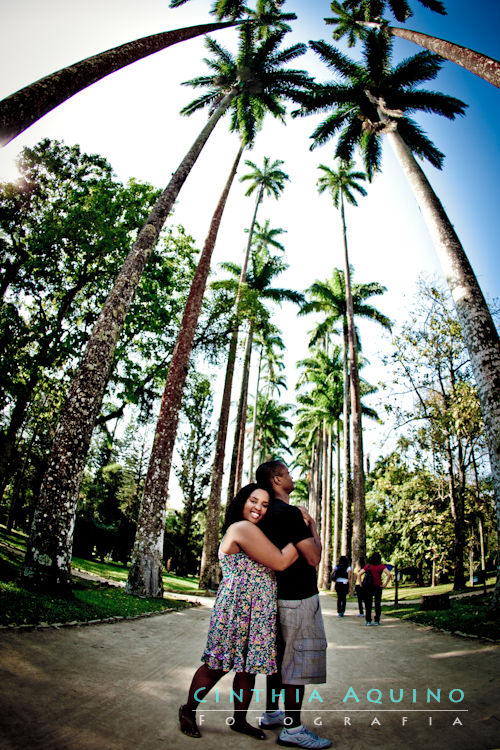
(118, 687)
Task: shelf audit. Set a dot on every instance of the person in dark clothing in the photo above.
(373, 593)
(342, 577)
(301, 634)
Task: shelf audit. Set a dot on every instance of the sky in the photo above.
(132, 118)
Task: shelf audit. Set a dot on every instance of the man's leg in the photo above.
(294, 695)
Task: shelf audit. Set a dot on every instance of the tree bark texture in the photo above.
(254, 421)
(239, 432)
(337, 507)
(145, 575)
(21, 109)
(48, 555)
(475, 62)
(358, 476)
(209, 571)
(347, 504)
(480, 335)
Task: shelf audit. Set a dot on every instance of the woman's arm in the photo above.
(388, 576)
(257, 546)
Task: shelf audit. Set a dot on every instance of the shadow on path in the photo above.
(118, 687)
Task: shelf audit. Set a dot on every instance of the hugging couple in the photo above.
(266, 617)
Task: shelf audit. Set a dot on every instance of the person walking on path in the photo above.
(301, 633)
(373, 584)
(358, 571)
(342, 577)
(242, 631)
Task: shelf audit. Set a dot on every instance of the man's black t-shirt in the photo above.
(282, 524)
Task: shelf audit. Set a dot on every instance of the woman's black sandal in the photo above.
(246, 728)
(187, 723)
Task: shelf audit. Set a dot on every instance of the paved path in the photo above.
(118, 687)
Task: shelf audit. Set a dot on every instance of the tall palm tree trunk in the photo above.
(475, 62)
(337, 507)
(480, 335)
(48, 555)
(209, 560)
(358, 476)
(326, 515)
(243, 275)
(20, 110)
(254, 420)
(347, 504)
(145, 577)
(239, 444)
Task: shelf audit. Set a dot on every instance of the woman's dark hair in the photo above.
(343, 562)
(235, 508)
(375, 559)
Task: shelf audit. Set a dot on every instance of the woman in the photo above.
(342, 577)
(376, 569)
(242, 631)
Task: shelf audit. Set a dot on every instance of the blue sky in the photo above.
(132, 119)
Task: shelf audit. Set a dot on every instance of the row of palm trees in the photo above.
(373, 100)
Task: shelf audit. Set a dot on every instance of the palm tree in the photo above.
(354, 17)
(341, 185)
(48, 559)
(274, 424)
(147, 549)
(23, 108)
(330, 298)
(270, 180)
(320, 409)
(267, 181)
(263, 268)
(375, 100)
(271, 346)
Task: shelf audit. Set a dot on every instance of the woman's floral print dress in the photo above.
(242, 632)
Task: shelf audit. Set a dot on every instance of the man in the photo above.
(302, 646)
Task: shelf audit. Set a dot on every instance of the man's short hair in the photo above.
(267, 471)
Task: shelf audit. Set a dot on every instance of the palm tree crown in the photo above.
(375, 98)
(257, 75)
(329, 297)
(341, 184)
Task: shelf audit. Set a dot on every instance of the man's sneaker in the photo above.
(271, 719)
(303, 738)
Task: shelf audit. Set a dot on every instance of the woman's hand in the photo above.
(305, 515)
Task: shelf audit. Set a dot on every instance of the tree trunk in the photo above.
(325, 567)
(337, 510)
(20, 110)
(254, 421)
(48, 555)
(243, 276)
(478, 328)
(209, 559)
(358, 476)
(475, 62)
(145, 575)
(239, 440)
(346, 507)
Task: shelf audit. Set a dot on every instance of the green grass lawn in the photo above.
(467, 614)
(90, 600)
